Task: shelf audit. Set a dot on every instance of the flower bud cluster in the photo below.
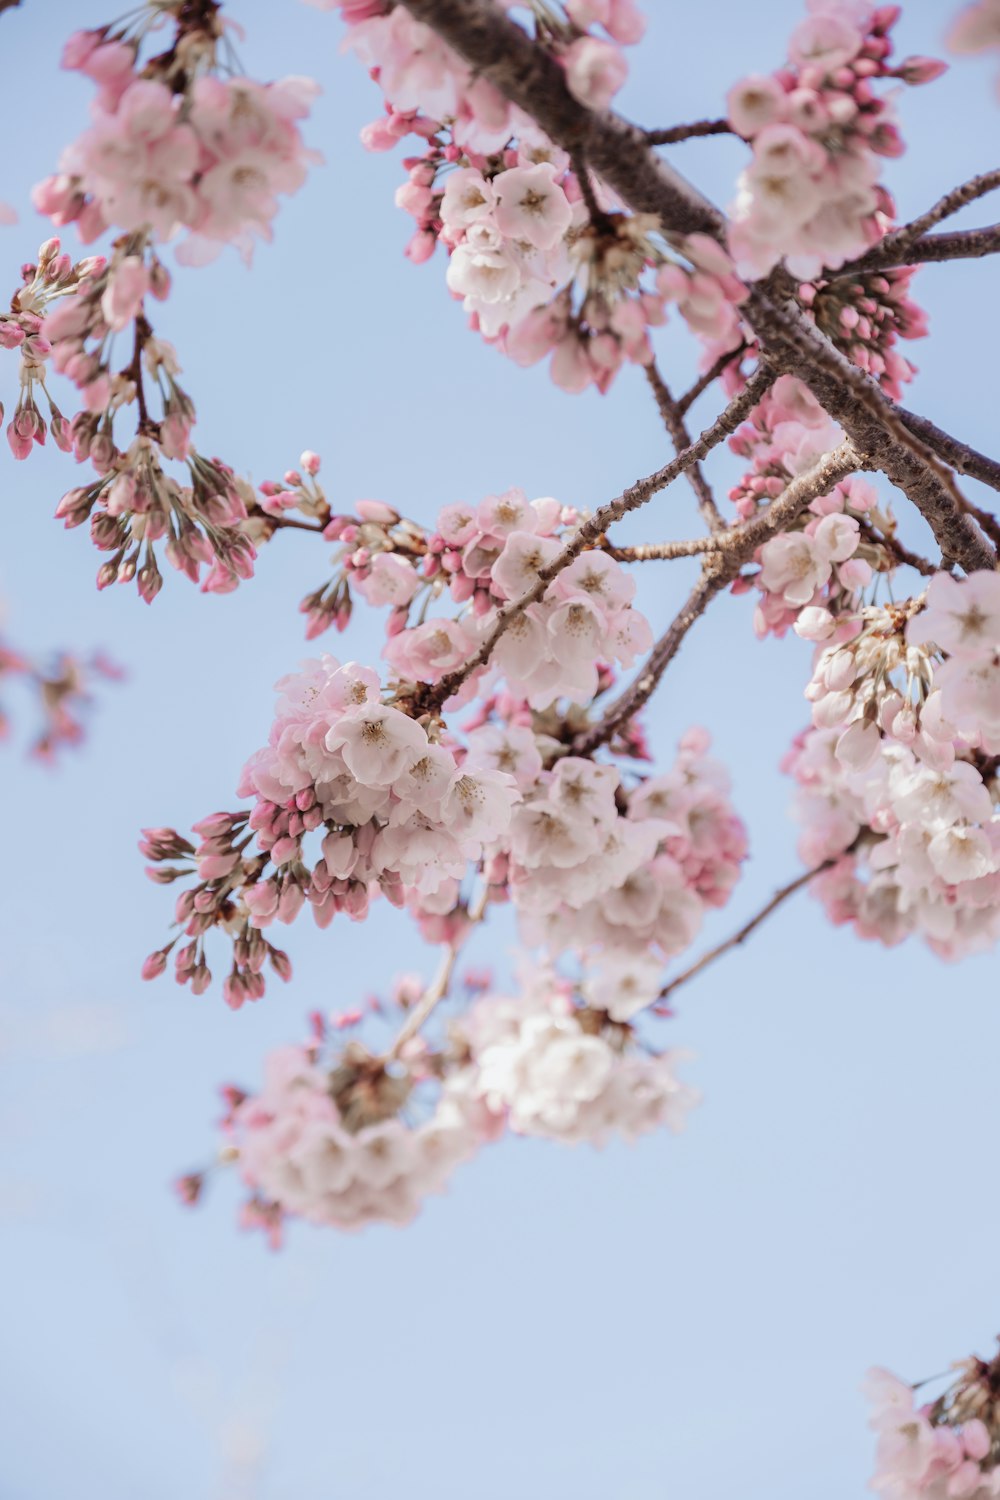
(174, 143)
(899, 776)
(818, 130)
(68, 315)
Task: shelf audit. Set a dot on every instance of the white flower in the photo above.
(531, 206)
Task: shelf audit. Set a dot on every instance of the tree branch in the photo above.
(704, 381)
(674, 422)
(441, 983)
(675, 133)
(736, 938)
(961, 457)
(959, 244)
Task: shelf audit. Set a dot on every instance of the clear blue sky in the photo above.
(690, 1317)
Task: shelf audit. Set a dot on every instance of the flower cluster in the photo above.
(61, 690)
(568, 1071)
(347, 1136)
(546, 265)
(391, 808)
(594, 865)
(331, 1144)
(68, 315)
(899, 774)
(174, 145)
(483, 557)
(942, 1449)
(811, 195)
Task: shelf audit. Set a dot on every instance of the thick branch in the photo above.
(427, 699)
(736, 938)
(961, 457)
(959, 244)
(874, 425)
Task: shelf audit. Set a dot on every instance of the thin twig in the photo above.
(674, 422)
(897, 551)
(286, 523)
(704, 381)
(736, 938)
(896, 248)
(674, 133)
(437, 990)
(958, 198)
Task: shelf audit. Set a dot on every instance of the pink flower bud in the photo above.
(154, 964)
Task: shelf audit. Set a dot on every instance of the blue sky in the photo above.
(688, 1317)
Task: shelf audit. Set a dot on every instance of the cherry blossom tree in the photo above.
(497, 754)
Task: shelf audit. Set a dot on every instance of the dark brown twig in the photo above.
(674, 133)
(674, 422)
(741, 935)
(704, 381)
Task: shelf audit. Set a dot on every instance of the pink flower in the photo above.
(595, 71)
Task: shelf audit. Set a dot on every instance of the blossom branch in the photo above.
(498, 49)
(426, 699)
